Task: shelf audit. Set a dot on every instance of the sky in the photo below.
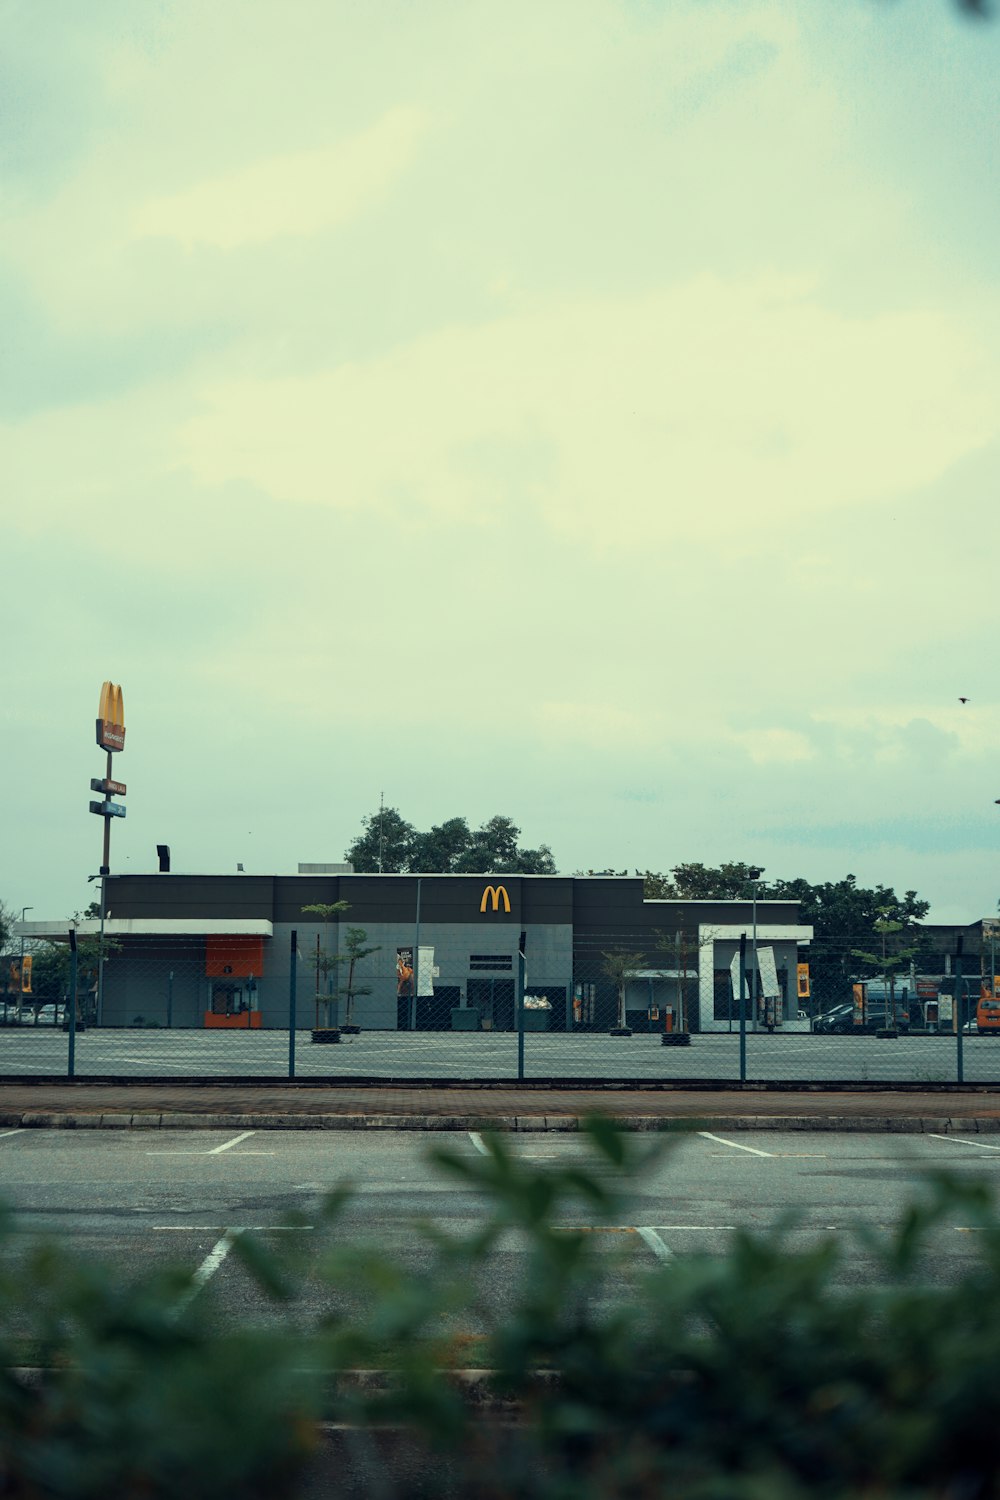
(581, 410)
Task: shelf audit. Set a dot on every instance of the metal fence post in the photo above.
(415, 985)
(293, 960)
(71, 1057)
(957, 1011)
(743, 1007)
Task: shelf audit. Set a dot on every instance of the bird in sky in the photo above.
(963, 700)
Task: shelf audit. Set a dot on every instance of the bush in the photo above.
(764, 1374)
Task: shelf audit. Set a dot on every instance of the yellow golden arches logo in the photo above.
(496, 894)
(111, 718)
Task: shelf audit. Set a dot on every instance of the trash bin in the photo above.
(465, 1018)
(536, 1020)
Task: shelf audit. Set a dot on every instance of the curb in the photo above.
(602, 1084)
(906, 1125)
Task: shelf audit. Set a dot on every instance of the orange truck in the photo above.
(988, 1008)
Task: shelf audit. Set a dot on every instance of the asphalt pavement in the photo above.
(143, 1200)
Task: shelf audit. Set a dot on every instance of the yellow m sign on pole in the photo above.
(496, 894)
(111, 718)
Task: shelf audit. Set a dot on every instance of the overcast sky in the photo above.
(584, 410)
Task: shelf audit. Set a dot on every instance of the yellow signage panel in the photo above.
(26, 975)
(111, 718)
(496, 894)
(802, 976)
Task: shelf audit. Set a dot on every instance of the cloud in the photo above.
(776, 746)
(740, 404)
(296, 193)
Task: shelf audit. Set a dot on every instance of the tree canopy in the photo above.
(7, 919)
(388, 842)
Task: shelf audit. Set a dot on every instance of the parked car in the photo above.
(45, 1015)
(840, 1019)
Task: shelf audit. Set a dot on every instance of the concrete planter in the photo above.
(326, 1034)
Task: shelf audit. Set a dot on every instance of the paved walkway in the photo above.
(459, 1107)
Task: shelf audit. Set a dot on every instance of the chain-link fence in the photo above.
(178, 1008)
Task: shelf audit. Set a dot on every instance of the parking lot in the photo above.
(791, 1057)
(139, 1200)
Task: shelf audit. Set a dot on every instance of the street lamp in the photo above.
(755, 872)
(20, 966)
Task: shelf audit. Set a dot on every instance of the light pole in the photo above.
(20, 966)
(754, 872)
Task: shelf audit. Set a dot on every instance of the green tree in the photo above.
(681, 948)
(355, 950)
(891, 956)
(52, 970)
(842, 914)
(7, 919)
(327, 959)
(441, 850)
(385, 843)
(727, 882)
(621, 967)
(389, 843)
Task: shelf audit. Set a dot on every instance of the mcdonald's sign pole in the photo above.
(111, 738)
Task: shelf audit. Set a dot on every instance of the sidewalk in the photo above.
(302, 1107)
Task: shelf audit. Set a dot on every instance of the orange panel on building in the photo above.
(236, 956)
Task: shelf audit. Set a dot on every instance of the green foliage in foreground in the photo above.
(826, 1369)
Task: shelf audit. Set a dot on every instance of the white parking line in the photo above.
(684, 1228)
(214, 1151)
(234, 1142)
(213, 1260)
(478, 1142)
(659, 1247)
(957, 1140)
(5, 1133)
(243, 1229)
(735, 1144)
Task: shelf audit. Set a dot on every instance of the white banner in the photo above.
(768, 973)
(425, 972)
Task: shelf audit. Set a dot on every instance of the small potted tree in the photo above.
(887, 963)
(327, 963)
(621, 967)
(681, 946)
(354, 951)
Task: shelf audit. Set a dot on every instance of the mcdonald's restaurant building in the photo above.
(217, 950)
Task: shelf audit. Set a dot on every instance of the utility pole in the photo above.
(381, 813)
(755, 872)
